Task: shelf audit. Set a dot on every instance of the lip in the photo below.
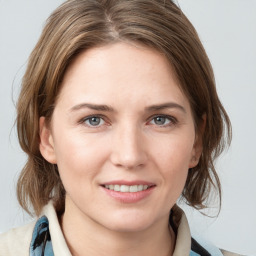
(128, 197)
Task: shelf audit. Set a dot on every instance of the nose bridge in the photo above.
(128, 146)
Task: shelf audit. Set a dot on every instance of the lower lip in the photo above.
(129, 197)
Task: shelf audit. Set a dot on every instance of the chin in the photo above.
(129, 222)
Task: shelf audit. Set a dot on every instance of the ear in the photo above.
(46, 145)
(198, 144)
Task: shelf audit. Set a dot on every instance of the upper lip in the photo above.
(128, 183)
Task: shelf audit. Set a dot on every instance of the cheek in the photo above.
(78, 157)
(175, 152)
(173, 158)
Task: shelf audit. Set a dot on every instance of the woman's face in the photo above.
(121, 123)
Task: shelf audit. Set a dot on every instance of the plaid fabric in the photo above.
(41, 244)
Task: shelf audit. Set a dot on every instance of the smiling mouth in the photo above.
(126, 188)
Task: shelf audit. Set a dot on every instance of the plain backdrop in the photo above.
(227, 29)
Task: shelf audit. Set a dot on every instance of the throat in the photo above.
(83, 243)
(87, 237)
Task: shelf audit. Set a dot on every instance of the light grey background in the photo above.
(227, 29)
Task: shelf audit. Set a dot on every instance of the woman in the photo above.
(119, 116)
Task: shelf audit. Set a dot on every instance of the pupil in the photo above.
(94, 121)
(160, 120)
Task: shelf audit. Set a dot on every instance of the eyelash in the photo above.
(83, 120)
(172, 120)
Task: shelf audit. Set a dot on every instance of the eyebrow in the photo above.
(165, 106)
(92, 106)
(107, 108)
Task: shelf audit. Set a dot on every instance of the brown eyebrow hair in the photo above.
(92, 106)
(164, 106)
(107, 108)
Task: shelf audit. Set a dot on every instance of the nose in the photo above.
(128, 148)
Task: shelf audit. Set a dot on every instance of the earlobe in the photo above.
(198, 144)
(46, 145)
(194, 161)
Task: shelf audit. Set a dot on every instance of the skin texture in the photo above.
(125, 142)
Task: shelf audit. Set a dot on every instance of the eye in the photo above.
(162, 120)
(94, 121)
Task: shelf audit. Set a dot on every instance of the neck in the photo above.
(86, 237)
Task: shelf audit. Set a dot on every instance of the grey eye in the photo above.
(94, 121)
(161, 120)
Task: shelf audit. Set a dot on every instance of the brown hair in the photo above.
(78, 25)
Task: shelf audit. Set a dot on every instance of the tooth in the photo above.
(140, 187)
(145, 187)
(133, 188)
(116, 187)
(124, 188)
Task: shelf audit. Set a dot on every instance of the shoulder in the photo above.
(16, 241)
(195, 245)
(205, 248)
(226, 253)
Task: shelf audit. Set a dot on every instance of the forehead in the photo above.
(121, 71)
